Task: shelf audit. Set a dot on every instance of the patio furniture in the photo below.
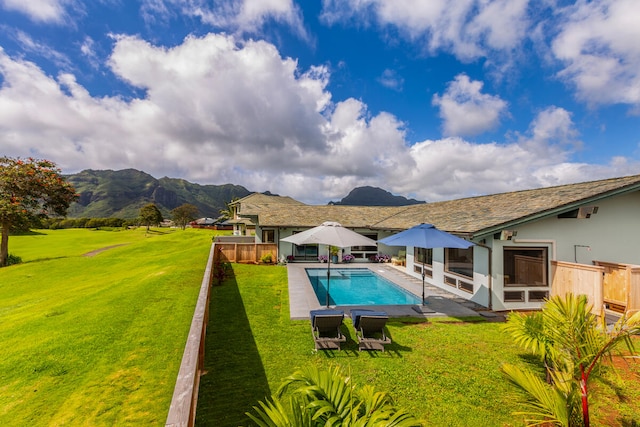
(399, 259)
(325, 327)
(369, 326)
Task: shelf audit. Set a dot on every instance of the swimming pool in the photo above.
(357, 286)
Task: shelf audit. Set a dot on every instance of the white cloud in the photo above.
(88, 50)
(245, 16)
(216, 110)
(594, 40)
(466, 110)
(28, 44)
(467, 28)
(452, 167)
(554, 125)
(598, 44)
(49, 11)
(391, 80)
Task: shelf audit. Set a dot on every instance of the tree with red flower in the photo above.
(30, 189)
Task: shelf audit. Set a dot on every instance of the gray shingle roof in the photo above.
(472, 216)
(311, 216)
(256, 203)
(477, 214)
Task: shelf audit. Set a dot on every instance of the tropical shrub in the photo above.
(571, 342)
(327, 398)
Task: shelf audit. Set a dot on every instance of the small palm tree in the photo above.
(327, 398)
(572, 343)
(228, 211)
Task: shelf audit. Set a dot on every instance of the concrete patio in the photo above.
(439, 302)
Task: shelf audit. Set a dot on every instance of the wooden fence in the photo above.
(182, 412)
(606, 284)
(621, 286)
(247, 252)
(633, 303)
(579, 279)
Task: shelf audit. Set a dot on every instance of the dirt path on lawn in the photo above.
(97, 251)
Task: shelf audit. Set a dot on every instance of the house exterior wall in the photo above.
(480, 280)
(612, 234)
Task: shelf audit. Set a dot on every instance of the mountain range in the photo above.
(121, 194)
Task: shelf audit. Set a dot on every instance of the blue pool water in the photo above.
(357, 286)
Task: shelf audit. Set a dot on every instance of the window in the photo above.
(513, 296)
(268, 236)
(459, 261)
(422, 256)
(538, 296)
(364, 252)
(366, 248)
(525, 266)
(305, 252)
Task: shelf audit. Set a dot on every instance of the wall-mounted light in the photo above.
(508, 234)
(587, 211)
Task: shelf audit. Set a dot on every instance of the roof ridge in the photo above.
(552, 187)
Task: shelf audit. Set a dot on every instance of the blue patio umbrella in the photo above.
(426, 236)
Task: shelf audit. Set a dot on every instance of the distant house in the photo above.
(517, 235)
(210, 223)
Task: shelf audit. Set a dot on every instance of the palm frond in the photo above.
(546, 403)
(271, 414)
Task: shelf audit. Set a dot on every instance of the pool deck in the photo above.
(439, 302)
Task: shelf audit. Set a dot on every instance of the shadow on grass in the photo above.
(26, 233)
(152, 231)
(350, 348)
(235, 380)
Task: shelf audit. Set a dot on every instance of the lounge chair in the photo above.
(369, 326)
(325, 327)
(399, 259)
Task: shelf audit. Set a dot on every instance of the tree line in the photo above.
(149, 216)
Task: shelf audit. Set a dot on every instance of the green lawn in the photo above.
(445, 371)
(96, 340)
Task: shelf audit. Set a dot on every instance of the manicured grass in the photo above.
(445, 371)
(96, 340)
(51, 244)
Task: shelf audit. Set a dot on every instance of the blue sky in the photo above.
(427, 99)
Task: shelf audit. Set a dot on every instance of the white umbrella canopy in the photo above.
(332, 234)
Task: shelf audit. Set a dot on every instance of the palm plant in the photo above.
(328, 398)
(572, 343)
(228, 212)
